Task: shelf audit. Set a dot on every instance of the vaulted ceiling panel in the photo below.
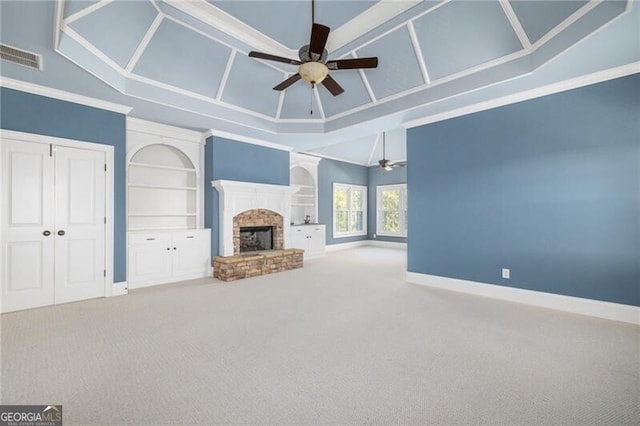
(73, 6)
(540, 17)
(299, 101)
(131, 19)
(250, 83)
(398, 67)
(355, 93)
(185, 59)
(358, 150)
(289, 22)
(460, 35)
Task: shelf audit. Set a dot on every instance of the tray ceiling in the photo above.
(185, 62)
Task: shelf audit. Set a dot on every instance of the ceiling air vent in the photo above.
(21, 57)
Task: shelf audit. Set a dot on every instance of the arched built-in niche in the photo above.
(162, 189)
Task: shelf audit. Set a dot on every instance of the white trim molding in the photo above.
(344, 246)
(62, 95)
(387, 244)
(237, 197)
(576, 305)
(119, 289)
(550, 89)
(245, 139)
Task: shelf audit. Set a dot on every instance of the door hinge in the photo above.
(105, 167)
(50, 150)
(105, 272)
(105, 220)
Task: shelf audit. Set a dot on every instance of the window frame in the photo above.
(349, 188)
(402, 233)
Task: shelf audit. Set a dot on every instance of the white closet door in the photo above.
(80, 229)
(27, 225)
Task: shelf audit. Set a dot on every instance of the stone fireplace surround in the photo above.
(258, 217)
(241, 202)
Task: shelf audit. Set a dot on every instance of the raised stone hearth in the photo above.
(231, 268)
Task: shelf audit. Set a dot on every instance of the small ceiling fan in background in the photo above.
(313, 66)
(385, 164)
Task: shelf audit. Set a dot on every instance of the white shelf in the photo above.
(161, 214)
(158, 166)
(304, 195)
(146, 186)
(302, 204)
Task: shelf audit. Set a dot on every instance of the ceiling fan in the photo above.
(313, 66)
(388, 165)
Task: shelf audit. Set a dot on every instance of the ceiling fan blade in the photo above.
(288, 82)
(349, 64)
(332, 86)
(268, 57)
(319, 36)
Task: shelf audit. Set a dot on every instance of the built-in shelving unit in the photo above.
(162, 189)
(304, 175)
(166, 240)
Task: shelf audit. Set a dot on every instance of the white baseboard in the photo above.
(342, 246)
(387, 244)
(576, 305)
(120, 289)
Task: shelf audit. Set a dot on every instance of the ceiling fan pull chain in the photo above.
(311, 100)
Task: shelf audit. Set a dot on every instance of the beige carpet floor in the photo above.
(343, 340)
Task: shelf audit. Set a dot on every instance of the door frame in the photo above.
(109, 189)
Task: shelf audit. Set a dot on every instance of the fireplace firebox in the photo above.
(255, 238)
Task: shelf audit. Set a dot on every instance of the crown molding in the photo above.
(144, 126)
(62, 95)
(550, 89)
(245, 139)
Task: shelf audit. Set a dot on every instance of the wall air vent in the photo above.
(21, 57)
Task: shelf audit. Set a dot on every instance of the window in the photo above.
(349, 210)
(392, 210)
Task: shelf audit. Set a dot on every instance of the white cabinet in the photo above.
(158, 257)
(310, 238)
(166, 241)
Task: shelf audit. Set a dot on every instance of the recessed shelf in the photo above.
(145, 186)
(158, 166)
(304, 195)
(161, 214)
(302, 204)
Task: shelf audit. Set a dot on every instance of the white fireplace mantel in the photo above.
(237, 197)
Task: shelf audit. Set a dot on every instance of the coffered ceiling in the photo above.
(190, 57)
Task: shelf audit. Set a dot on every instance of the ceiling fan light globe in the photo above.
(388, 168)
(313, 72)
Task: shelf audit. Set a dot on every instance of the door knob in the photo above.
(61, 232)
(46, 233)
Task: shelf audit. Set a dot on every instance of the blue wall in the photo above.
(232, 160)
(378, 176)
(548, 188)
(25, 112)
(330, 172)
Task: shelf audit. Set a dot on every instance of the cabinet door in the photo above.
(316, 246)
(149, 259)
(191, 254)
(299, 238)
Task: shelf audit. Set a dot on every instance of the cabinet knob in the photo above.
(61, 232)
(46, 233)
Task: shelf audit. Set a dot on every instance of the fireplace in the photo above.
(255, 238)
(244, 204)
(257, 229)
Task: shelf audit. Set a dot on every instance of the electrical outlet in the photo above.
(506, 273)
